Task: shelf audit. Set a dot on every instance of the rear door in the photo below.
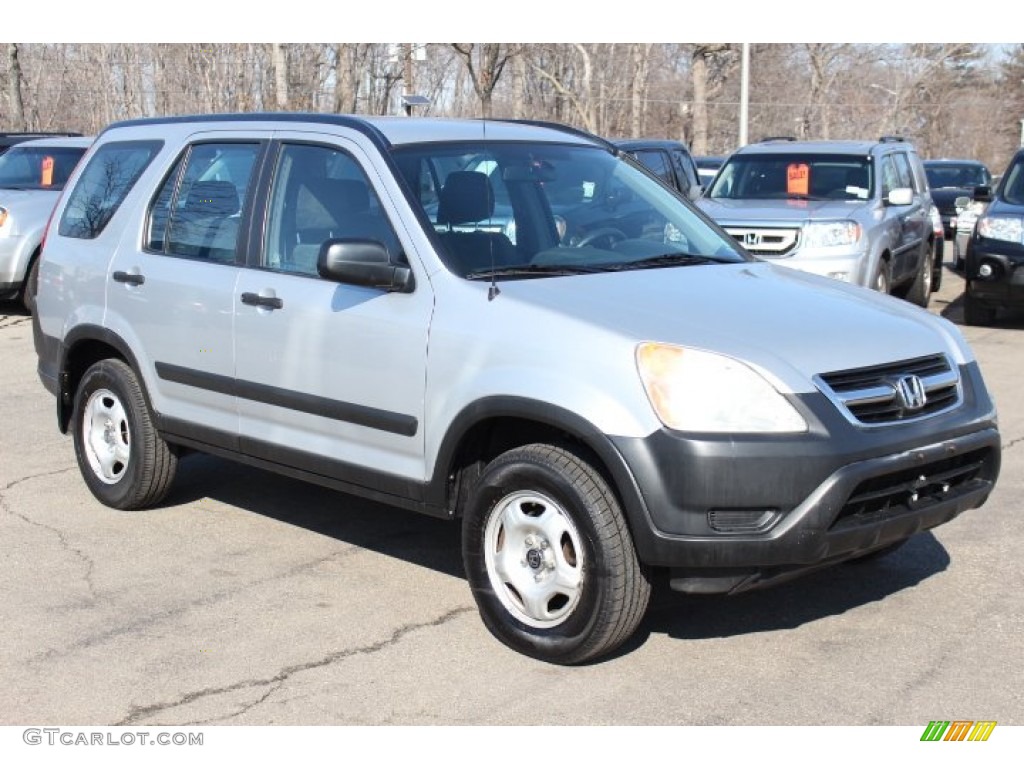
(173, 287)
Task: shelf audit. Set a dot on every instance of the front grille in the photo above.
(885, 394)
(768, 242)
(915, 488)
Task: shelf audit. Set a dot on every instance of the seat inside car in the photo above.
(467, 201)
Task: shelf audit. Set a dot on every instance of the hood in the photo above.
(789, 324)
(745, 212)
(22, 203)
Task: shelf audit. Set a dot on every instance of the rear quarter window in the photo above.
(103, 186)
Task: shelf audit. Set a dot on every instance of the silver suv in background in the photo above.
(856, 211)
(32, 174)
(618, 393)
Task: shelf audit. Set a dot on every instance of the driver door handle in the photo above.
(268, 302)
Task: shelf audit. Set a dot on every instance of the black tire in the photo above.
(526, 500)
(920, 291)
(976, 313)
(123, 460)
(940, 250)
(31, 286)
(882, 281)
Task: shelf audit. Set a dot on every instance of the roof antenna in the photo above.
(492, 290)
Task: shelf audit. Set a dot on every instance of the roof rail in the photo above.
(349, 121)
(560, 127)
(887, 139)
(777, 138)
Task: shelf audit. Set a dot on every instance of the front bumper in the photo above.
(831, 494)
(1005, 286)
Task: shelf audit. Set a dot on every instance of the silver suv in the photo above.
(596, 382)
(32, 175)
(856, 211)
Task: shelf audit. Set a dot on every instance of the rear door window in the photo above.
(198, 210)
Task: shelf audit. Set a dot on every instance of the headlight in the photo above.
(828, 234)
(696, 391)
(1002, 228)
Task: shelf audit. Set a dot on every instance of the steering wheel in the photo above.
(611, 234)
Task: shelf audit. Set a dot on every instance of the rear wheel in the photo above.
(123, 460)
(549, 557)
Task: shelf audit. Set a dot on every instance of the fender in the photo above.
(543, 414)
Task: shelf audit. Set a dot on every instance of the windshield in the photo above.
(530, 209)
(1012, 188)
(38, 167)
(794, 177)
(956, 175)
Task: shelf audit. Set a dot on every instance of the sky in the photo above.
(519, 21)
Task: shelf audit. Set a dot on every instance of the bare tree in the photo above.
(485, 62)
(14, 100)
(709, 72)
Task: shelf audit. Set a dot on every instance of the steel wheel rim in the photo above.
(534, 558)
(106, 437)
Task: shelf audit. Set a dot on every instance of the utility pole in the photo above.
(407, 77)
(744, 93)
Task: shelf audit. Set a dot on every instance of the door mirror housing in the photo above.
(363, 262)
(900, 196)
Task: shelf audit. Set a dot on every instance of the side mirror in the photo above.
(363, 262)
(900, 196)
(983, 194)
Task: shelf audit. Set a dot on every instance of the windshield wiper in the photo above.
(667, 260)
(533, 270)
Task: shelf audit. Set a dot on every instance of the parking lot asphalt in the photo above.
(249, 598)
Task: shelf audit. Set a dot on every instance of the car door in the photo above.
(330, 377)
(174, 287)
(915, 220)
(686, 171)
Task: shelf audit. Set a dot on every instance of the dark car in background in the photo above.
(994, 266)
(950, 179)
(669, 160)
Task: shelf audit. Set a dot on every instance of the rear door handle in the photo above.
(131, 278)
(255, 300)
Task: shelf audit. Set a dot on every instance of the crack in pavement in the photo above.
(179, 610)
(1009, 445)
(13, 322)
(90, 565)
(135, 714)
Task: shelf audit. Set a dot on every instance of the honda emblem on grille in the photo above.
(911, 394)
(751, 238)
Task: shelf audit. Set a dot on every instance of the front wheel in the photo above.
(549, 557)
(921, 289)
(976, 313)
(122, 458)
(882, 281)
(30, 287)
